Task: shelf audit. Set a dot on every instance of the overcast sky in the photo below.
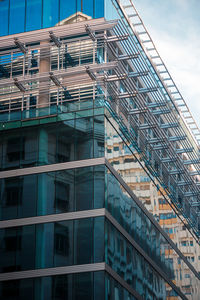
(174, 26)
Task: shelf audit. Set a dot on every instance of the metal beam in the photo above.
(54, 79)
(20, 45)
(161, 112)
(169, 125)
(127, 56)
(184, 150)
(19, 85)
(176, 138)
(191, 162)
(90, 32)
(155, 104)
(147, 90)
(91, 74)
(137, 111)
(55, 39)
(137, 74)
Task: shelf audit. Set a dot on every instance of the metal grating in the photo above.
(145, 40)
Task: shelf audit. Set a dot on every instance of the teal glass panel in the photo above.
(83, 236)
(75, 139)
(99, 186)
(44, 245)
(84, 138)
(67, 9)
(99, 136)
(65, 141)
(17, 290)
(99, 234)
(83, 286)
(17, 248)
(124, 259)
(64, 191)
(10, 197)
(17, 16)
(62, 287)
(4, 5)
(84, 186)
(33, 14)
(46, 189)
(49, 245)
(63, 245)
(27, 196)
(99, 285)
(53, 192)
(50, 13)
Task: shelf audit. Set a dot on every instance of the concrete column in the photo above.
(43, 99)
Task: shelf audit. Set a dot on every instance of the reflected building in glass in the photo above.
(99, 167)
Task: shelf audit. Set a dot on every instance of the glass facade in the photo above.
(26, 15)
(52, 245)
(75, 139)
(83, 214)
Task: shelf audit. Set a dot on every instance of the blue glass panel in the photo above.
(33, 14)
(50, 13)
(99, 8)
(17, 16)
(4, 17)
(86, 6)
(67, 8)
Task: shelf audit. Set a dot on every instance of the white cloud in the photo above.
(174, 26)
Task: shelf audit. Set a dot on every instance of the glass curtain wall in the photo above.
(26, 15)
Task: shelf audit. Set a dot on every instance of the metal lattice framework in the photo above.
(108, 62)
(149, 47)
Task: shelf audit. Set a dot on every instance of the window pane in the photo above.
(50, 13)
(67, 9)
(99, 8)
(99, 186)
(17, 16)
(83, 287)
(17, 246)
(83, 239)
(46, 193)
(33, 14)
(62, 287)
(84, 188)
(17, 290)
(44, 245)
(84, 138)
(4, 17)
(63, 243)
(64, 199)
(87, 7)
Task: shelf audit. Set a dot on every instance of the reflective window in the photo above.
(50, 12)
(33, 14)
(86, 6)
(67, 10)
(53, 192)
(83, 235)
(4, 5)
(17, 16)
(52, 244)
(69, 140)
(80, 286)
(99, 8)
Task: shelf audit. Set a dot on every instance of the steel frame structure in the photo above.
(131, 89)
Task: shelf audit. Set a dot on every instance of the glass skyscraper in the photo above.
(99, 169)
